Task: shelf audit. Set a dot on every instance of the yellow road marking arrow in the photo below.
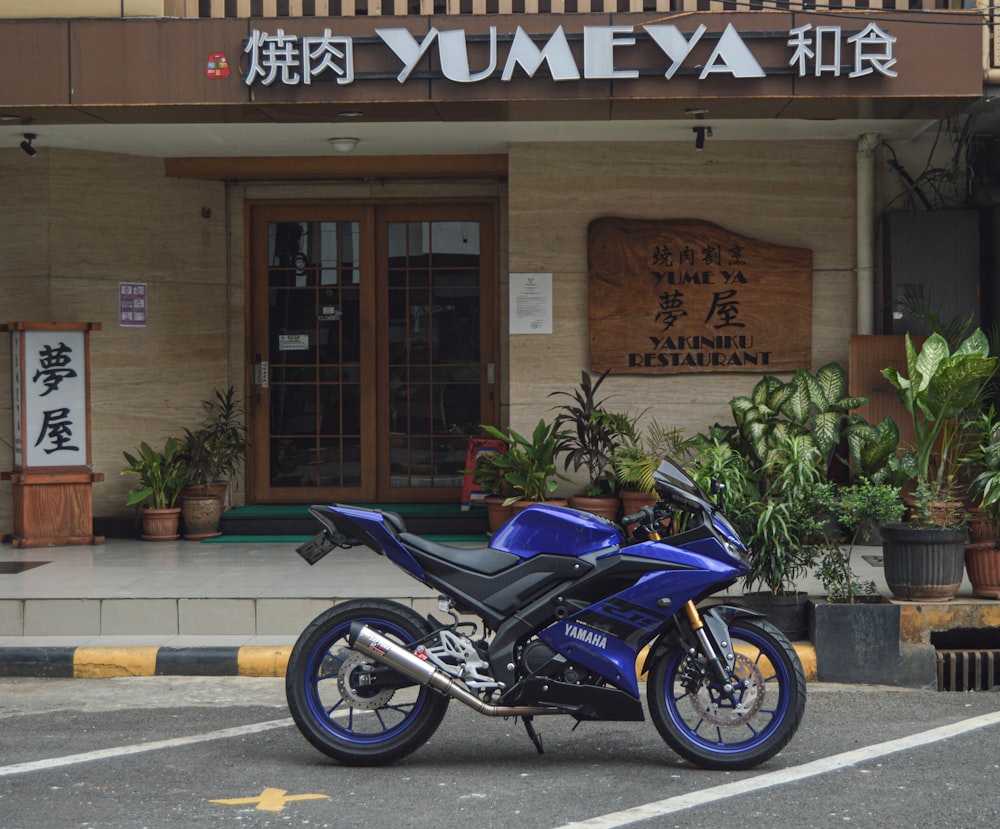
(270, 800)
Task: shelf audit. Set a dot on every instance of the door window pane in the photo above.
(434, 349)
(314, 332)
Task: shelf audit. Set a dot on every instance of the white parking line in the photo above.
(660, 808)
(140, 748)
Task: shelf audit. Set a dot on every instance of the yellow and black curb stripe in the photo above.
(104, 662)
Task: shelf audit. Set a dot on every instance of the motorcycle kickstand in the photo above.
(533, 735)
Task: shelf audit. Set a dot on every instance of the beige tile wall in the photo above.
(78, 223)
(801, 195)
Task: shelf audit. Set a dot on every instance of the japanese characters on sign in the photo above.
(689, 296)
(50, 385)
(824, 50)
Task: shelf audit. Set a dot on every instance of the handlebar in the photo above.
(646, 515)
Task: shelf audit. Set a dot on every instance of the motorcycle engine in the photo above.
(538, 659)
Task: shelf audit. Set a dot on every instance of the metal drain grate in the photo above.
(968, 670)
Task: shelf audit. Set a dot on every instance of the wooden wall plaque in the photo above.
(682, 295)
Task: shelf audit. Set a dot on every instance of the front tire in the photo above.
(336, 710)
(712, 731)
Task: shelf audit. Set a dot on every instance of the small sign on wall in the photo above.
(531, 303)
(676, 296)
(132, 304)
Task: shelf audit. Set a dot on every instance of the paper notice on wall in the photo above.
(531, 303)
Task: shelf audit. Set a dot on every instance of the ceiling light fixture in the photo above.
(26, 144)
(344, 145)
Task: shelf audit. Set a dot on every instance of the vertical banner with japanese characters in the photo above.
(52, 502)
(54, 397)
(684, 295)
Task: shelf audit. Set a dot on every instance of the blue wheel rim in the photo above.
(708, 736)
(370, 727)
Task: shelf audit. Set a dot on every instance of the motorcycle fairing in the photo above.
(606, 637)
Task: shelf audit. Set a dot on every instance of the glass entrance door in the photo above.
(373, 349)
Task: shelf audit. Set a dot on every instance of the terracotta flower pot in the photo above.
(604, 507)
(982, 563)
(160, 524)
(496, 512)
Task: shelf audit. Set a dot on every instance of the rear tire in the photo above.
(714, 732)
(355, 723)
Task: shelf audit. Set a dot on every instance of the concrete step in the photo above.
(169, 617)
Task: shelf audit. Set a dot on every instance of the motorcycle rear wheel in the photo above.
(710, 730)
(341, 716)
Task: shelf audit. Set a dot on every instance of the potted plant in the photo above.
(856, 631)
(814, 405)
(982, 555)
(162, 476)
(862, 508)
(215, 451)
(787, 524)
(528, 467)
(780, 508)
(637, 457)
(213, 454)
(925, 558)
(492, 478)
(589, 444)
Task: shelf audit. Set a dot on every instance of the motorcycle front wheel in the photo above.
(715, 730)
(337, 710)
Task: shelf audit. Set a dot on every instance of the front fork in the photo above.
(713, 636)
(712, 630)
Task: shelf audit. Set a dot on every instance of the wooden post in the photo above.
(50, 400)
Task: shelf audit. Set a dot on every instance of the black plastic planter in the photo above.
(923, 564)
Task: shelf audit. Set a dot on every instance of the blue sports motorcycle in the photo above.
(562, 614)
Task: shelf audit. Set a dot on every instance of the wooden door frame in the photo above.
(372, 214)
(485, 210)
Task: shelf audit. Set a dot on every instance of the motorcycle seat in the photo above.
(483, 560)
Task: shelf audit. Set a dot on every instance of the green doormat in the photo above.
(401, 509)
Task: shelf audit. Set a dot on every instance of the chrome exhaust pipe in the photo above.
(366, 640)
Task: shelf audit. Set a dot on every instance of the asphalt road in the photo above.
(221, 752)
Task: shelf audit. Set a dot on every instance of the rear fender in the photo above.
(717, 620)
(376, 530)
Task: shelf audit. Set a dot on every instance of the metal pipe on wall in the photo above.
(867, 144)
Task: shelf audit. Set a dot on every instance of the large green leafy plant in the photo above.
(816, 406)
(941, 388)
(162, 475)
(779, 508)
(529, 465)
